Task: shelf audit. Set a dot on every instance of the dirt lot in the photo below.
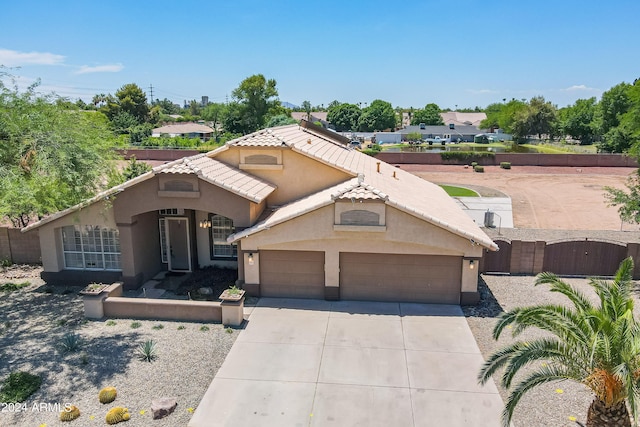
(544, 197)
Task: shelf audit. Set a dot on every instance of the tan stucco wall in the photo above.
(144, 198)
(405, 234)
(300, 175)
(99, 213)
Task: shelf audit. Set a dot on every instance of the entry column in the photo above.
(332, 275)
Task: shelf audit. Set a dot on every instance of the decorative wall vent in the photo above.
(359, 217)
(261, 159)
(178, 186)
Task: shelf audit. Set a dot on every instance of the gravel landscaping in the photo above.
(33, 321)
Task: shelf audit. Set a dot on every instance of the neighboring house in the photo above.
(451, 117)
(316, 116)
(445, 133)
(293, 208)
(462, 119)
(185, 130)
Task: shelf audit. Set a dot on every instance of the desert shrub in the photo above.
(474, 164)
(19, 386)
(505, 165)
(135, 325)
(70, 343)
(478, 168)
(147, 351)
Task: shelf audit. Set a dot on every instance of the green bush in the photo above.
(474, 164)
(19, 386)
(505, 165)
(466, 156)
(10, 287)
(478, 168)
(135, 325)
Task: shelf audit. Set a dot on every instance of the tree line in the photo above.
(613, 122)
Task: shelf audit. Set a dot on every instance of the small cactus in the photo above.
(70, 414)
(117, 414)
(107, 395)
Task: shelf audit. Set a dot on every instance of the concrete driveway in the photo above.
(348, 363)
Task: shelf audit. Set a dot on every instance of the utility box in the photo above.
(488, 219)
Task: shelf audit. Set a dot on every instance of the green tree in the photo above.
(595, 345)
(430, 116)
(256, 98)
(344, 117)
(541, 117)
(577, 120)
(281, 120)
(378, 116)
(133, 169)
(215, 113)
(613, 104)
(51, 156)
(306, 107)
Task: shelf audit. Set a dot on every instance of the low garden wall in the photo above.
(156, 154)
(516, 159)
(148, 308)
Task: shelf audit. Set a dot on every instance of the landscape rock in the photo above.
(162, 407)
(205, 291)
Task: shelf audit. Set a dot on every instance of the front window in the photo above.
(221, 228)
(88, 247)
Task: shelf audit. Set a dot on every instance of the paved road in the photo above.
(318, 363)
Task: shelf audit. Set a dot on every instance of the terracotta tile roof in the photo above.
(220, 174)
(399, 188)
(262, 138)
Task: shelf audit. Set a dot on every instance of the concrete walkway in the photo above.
(347, 363)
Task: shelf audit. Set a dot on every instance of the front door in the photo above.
(178, 245)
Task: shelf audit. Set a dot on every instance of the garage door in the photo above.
(293, 274)
(392, 277)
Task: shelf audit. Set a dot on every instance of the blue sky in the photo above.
(410, 53)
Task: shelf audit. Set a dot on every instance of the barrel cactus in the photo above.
(70, 414)
(107, 395)
(117, 414)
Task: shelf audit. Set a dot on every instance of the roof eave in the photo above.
(98, 197)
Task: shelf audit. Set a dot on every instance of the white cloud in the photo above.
(13, 58)
(580, 88)
(108, 68)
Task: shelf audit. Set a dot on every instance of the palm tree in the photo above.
(595, 345)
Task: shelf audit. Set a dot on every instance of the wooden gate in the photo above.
(497, 262)
(584, 257)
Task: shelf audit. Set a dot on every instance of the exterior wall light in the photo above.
(250, 258)
(472, 264)
(205, 224)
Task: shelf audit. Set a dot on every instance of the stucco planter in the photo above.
(233, 294)
(94, 289)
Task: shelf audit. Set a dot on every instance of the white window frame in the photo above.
(84, 249)
(221, 240)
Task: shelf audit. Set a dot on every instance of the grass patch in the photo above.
(204, 328)
(19, 386)
(228, 330)
(158, 327)
(181, 327)
(459, 191)
(135, 325)
(10, 286)
(111, 323)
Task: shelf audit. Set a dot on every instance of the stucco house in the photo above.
(185, 130)
(296, 210)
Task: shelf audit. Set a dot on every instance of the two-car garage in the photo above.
(363, 276)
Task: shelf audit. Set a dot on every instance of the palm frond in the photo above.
(580, 302)
(541, 376)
